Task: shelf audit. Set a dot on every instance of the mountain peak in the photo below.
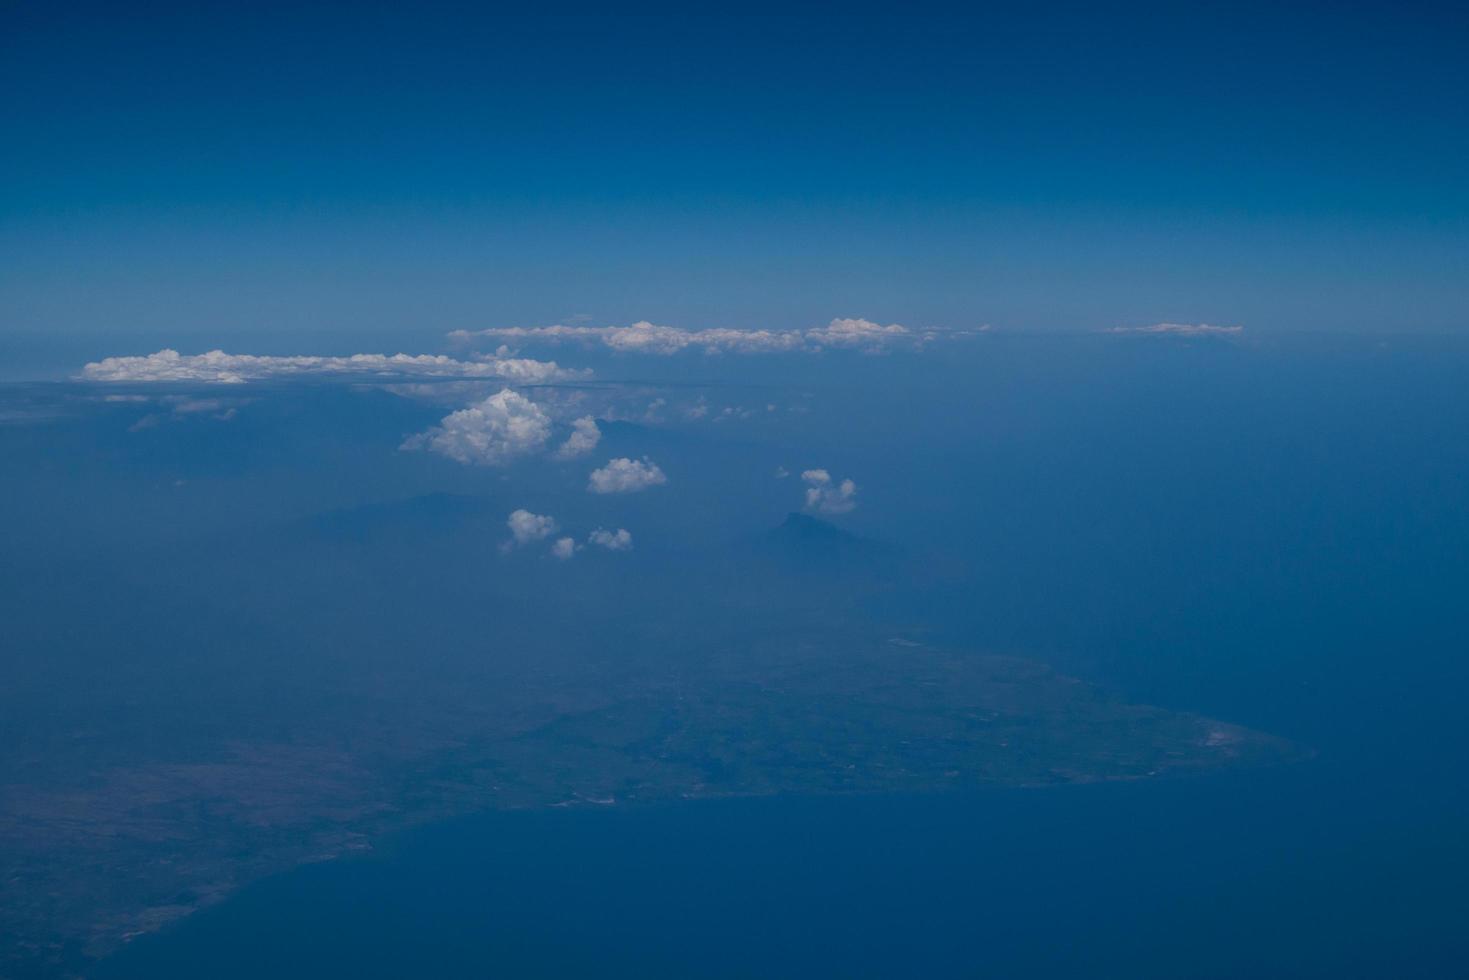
(803, 537)
(804, 527)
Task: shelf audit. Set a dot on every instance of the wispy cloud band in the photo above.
(218, 367)
(651, 338)
(1180, 330)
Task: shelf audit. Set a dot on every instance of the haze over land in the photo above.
(646, 490)
(267, 621)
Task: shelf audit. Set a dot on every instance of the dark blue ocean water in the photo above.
(1295, 872)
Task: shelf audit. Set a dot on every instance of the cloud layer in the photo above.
(491, 433)
(825, 496)
(650, 338)
(625, 475)
(1180, 330)
(217, 367)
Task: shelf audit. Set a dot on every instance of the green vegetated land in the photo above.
(94, 857)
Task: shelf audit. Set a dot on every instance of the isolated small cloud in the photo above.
(218, 367)
(618, 540)
(1180, 330)
(181, 407)
(193, 406)
(526, 527)
(563, 548)
(826, 496)
(223, 409)
(733, 412)
(625, 475)
(490, 433)
(583, 439)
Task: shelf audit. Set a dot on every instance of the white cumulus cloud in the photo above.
(625, 475)
(858, 333)
(563, 548)
(619, 540)
(218, 367)
(826, 496)
(490, 433)
(526, 527)
(583, 439)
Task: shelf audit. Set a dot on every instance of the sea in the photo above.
(1313, 869)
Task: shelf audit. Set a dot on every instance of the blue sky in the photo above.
(315, 179)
